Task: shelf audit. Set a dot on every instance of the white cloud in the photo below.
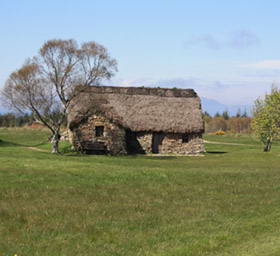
(244, 39)
(241, 39)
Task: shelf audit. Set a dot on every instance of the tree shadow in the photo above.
(4, 143)
(37, 145)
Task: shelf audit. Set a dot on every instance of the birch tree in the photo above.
(266, 121)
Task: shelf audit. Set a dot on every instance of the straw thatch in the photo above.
(140, 109)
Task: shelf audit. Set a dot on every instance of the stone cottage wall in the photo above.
(113, 139)
(145, 140)
(173, 143)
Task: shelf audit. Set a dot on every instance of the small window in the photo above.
(185, 138)
(99, 131)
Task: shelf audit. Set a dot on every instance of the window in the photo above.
(99, 131)
(185, 138)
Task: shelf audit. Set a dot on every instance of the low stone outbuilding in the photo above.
(129, 120)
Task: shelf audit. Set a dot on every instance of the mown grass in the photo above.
(225, 203)
(249, 139)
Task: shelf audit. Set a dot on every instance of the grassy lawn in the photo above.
(225, 203)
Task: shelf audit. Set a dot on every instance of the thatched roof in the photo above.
(140, 109)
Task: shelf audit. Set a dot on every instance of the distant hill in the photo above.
(213, 106)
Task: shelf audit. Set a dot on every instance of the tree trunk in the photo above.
(55, 141)
(268, 144)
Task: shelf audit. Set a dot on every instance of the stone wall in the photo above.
(173, 143)
(112, 141)
(65, 136)
(145, 140)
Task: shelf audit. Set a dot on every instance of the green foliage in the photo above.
(206, 117)
(217, 114)
(206, 114)
(244, 113)
(226, 203)
(225, 115)
(266, 121)
(12, 120)
(238, 113)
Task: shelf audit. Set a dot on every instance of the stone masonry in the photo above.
(112, 141)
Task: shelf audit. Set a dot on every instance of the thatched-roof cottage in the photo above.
(123, 120)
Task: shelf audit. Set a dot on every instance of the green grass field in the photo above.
(224, 203)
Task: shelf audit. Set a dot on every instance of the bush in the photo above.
(220, 132)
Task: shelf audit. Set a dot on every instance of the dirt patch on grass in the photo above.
(226, 143)
(36, 149)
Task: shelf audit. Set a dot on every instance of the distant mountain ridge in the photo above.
(212, 107)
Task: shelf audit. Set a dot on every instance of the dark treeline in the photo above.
(239, 123)
(12, 120)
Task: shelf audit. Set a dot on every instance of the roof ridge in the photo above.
(152, 91)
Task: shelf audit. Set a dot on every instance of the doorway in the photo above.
(157, 141)
(132, 144)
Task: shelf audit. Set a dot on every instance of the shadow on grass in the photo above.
(8, 144)
(72, 153)
(161, 157)
(216, 152)
(4, 143)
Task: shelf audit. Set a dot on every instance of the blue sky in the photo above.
(226, 50)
